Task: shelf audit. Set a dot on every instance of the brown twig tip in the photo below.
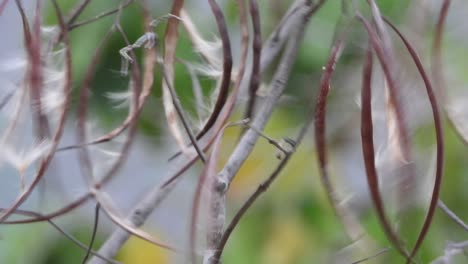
(320, 113)
(227, 68)
(257, 51)
(439, 139)
(368, 152)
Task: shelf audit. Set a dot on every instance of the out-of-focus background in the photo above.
(293, 222)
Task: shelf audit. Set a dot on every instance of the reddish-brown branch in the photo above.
(257, 53)
(439, 140)
(227, 68)
(369, 151)
(61, 123)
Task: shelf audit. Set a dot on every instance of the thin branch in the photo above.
(171, 38)
(93, 236)
(45, 217)
(438, 73)
(452, 215)
(66, 234)
(246, 144)
(227, 68)
(206, 179)
(155, 196)
(451, 249)
(210, 168)
(102, 15)
(369, 154)
(439, 131)
(76, 11)
(73, 205)
(262, 188)
(36, 77)
(436, 62)
(182, 115)
(109, 209)
(398, 135)
(351, 225)
(257, 53)
(381, 252)
(270, 49)
(61, 123)
(6, 99)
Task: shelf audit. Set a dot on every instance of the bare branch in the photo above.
(93, 236)
(66, 234)
(245, 145)
(257, 53)
(452, 215)
(369, 154)
(227, 68)
(439, 141)
(72, 26)
(61, 123)
(381, 252)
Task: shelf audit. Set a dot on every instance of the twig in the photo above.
(102, 15)
(439, 140)
(436, 62)
(438, 73)
(76, 11)
(61, 123)
(383, 251)
(93, 236)
(45, 217)
(246, 144)
(109, 209)
(257, 53)
(452, 215)
(367, 139)
(147, 82)
(227, 68)
(35, 74)
(271, 48)
(182, 115)
(171, 38)
(262, 188)
(369, 158)
(66, 234)
(451, 249)
(6, 99)
(398, 135)
(155, 196)
(351, 225)
(206, 179)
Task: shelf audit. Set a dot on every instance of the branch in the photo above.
(270, 49)
(155, 196)
(60, 127)
(257, 53)
(452, 215)
(65, 233)
(227, 68)
(102, 15)
(247, 142)
(439, 140)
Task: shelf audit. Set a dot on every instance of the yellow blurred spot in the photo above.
(288, 241)
(138, 251)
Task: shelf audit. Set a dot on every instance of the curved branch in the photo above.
(439, 131)
(227, 68)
